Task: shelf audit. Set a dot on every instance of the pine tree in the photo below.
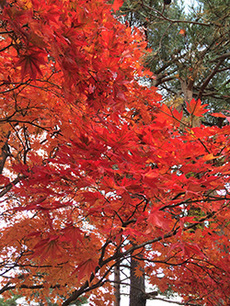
(9, 302)
(190, 49)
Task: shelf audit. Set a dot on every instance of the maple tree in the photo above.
(95, 170)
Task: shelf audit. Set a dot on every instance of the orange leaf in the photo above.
(182, 32)
(208, 157)
(138, 272)
(218, 115)
(195, 108)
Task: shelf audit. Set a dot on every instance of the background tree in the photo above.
(190, 49)
(10, 302)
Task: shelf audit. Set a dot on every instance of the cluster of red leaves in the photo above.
(99, 167)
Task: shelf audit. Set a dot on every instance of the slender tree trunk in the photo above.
(117, 285)
(187, 90)
(4, 153)
(137, 286)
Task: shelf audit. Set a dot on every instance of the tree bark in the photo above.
(117, 285)
(187, 90)
(4, 154)
(137, 286)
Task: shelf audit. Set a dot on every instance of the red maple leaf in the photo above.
(72, 234)
(30, 63)
(117, 4)
(48, 248)
(86, 268)
(195, 108)
(157, 218)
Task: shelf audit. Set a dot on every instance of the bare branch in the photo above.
(163, 17)
(208, 79)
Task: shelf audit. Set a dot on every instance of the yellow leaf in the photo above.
(208, 157)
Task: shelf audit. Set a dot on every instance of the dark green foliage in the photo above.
(9, 302)
(190, 49)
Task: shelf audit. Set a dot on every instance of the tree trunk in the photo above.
(137, 286)
(187, 90)
(117, 285)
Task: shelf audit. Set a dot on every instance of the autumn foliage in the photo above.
(94, 168)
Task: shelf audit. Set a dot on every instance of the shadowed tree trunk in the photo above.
(117, 285)
(137, 286)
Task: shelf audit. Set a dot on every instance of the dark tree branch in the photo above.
(222, 57)
(163, 17)
(5, 153)
(208, 79)
(9, 186)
